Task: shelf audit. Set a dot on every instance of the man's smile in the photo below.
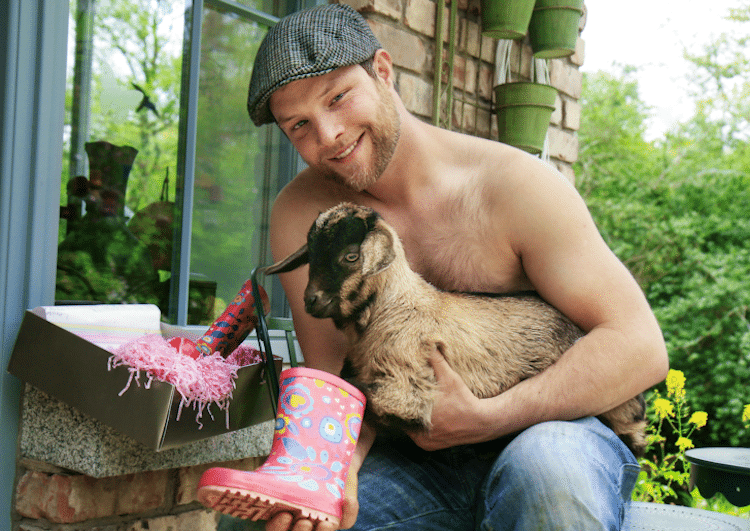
(348, 150)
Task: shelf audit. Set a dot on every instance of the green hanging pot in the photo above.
(523, 114)
(506, 19)
(553, 29)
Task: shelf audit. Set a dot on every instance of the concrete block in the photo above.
(563, 145)
(416, 93)
(571, 114)
(557, 114)
(388, 8)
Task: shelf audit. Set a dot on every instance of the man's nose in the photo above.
(329, 130)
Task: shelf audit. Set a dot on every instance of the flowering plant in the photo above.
(664, 469)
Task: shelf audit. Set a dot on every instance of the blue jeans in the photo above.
(555, 475)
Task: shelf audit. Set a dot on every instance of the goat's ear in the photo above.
(298, 258)
(377, 251)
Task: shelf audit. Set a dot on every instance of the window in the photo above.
(167, 184)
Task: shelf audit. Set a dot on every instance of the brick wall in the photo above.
(49, 499)
(406, 28)
(53, 500)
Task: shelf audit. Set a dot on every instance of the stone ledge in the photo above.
(56, 433)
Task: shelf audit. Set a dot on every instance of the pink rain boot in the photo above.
(317, 427)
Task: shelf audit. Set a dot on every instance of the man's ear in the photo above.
(383, 66)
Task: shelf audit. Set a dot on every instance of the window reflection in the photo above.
(233, 181)
(121, 146)
(119, 217)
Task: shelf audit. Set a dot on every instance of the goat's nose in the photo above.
(317, 303)
(310, 301)
(312, 296)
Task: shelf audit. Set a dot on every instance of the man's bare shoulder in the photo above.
(502, 172)
(488, 160)
(297, 206)
(308, 192)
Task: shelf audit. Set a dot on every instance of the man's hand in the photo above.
(457, 416)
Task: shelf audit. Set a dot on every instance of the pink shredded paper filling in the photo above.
(200, 382)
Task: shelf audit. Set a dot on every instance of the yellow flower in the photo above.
(699, 418)
(683, 443)
(746, 414)
(676, 384)
(663, 408)
(654, 438)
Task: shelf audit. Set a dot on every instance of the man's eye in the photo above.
(337, 98)
(298, 125)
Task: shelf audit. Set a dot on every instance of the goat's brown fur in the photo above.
(394, 320)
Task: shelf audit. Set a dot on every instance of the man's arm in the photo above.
(294, 211)
(322, 345)
(570, 266)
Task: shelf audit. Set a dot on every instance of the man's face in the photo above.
(344, 124)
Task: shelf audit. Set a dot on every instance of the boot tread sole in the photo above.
(254, 506)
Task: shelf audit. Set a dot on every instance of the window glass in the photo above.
(122, 113)
(236, 165)
(119, 213)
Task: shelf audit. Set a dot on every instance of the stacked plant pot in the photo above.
(524, 109)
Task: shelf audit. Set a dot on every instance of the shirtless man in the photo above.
(474, 215)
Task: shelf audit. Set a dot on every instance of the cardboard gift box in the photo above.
(75, 370)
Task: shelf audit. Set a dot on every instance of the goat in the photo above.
(394, 320)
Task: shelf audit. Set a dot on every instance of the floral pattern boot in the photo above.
(317, 426)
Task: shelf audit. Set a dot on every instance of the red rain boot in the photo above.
(317, 426)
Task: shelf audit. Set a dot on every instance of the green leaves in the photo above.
(676, 211)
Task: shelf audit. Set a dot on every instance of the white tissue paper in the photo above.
(106, 325)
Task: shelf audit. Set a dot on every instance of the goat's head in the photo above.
(346, 245)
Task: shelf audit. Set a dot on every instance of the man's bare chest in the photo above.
(454, 257)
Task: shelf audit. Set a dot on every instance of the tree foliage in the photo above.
(720, 82)
(675, 210)
(138, 42)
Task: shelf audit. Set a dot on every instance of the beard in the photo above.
(384, 132)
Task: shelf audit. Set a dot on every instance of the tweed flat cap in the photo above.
(308, 43)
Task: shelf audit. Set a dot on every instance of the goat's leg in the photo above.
(629, 423)
(401, 402)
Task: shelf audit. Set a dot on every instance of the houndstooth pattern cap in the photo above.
(308, 43)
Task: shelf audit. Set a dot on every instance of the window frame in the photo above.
(33, 46)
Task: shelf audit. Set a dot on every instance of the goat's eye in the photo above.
(351, 257)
